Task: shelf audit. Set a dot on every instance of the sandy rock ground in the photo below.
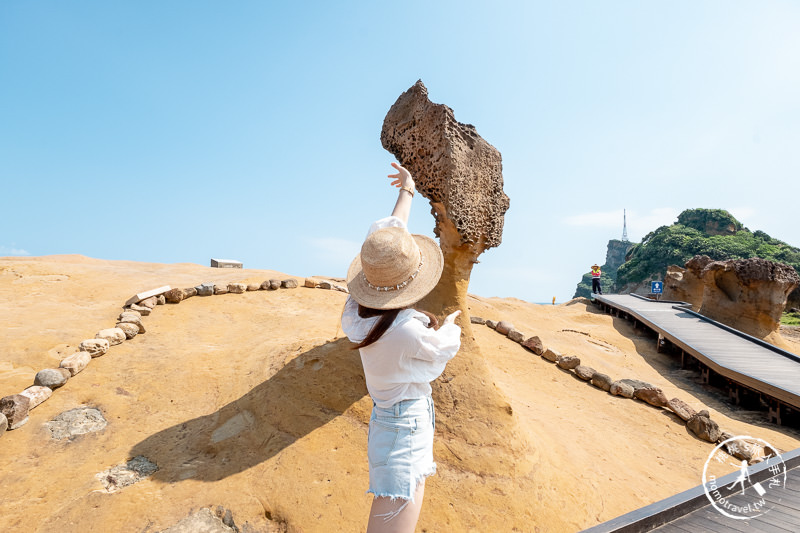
(254, 402)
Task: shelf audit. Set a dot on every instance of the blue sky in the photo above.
(180, 131)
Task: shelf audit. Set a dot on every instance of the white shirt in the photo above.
(403, 362)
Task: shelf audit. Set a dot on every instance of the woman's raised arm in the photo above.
(403, 180)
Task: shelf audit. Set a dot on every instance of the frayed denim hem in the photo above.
(392, 497)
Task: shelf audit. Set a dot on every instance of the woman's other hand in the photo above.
(451, 318)
(402, 178)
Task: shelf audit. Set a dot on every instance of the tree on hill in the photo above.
(712, 232)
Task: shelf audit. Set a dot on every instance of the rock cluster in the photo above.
(699, 423)
(14, 408)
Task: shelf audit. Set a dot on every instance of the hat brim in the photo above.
(417, 288)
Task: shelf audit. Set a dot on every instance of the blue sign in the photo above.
(656, 287)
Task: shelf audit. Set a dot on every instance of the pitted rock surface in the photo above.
(748, 294)
(121, 476)
(452, 165)
(75, 422)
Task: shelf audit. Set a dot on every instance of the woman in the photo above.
(402, 352)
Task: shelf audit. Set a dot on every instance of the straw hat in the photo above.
(394, 269)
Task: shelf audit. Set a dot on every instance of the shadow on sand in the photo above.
(305, 394)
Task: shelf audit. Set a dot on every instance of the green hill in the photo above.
(712, 232)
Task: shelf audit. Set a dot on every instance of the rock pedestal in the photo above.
(748, 294)
(461, 175)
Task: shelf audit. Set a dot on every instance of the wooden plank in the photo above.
(711, 519)
(738, 358)
(676, 526)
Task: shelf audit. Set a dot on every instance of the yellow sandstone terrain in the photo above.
(255, 403)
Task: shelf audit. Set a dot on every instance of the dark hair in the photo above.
(387, 318)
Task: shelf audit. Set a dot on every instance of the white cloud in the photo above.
(10, 250)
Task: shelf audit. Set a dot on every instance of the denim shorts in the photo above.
(400, 447)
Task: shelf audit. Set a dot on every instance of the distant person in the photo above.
(402, 351)
(596, 280)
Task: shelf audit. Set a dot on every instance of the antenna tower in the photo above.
(624, 226)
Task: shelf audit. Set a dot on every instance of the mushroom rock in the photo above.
(686, 284)
(748, 294)
(461, 175)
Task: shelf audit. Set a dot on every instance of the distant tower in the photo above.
(624, 226)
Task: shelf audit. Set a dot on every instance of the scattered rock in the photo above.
(516, 336)
(149, 302)
(206, 289)
(551, 355)
(491, 324)
(129, 312)
(325, 285)
(341, 288)
(253, 287)
(37, 394)
(534, 344)
(312, 283)
(76, 362)
(114, 336)
(144, 311)
(290, 283)
(274, 284)
(736, 448)
(618, 388)
(202, 521)
(584, 372)
(78, 421)
(504, 327)
(161, 300)
(3, 424)
(175, 296)
(477, 320)
(133, 320)
(122, 476)
(601, 381)
(568, 362)
(189, 292)
(652, 395)
(130, 330)
(220, 289)
(637, 384)
(94, 347)
(704, 427)
(265, 286)
(16, 408)
(237, 288)
(681, 408)
(52, 378)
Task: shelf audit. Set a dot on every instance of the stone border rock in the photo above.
(14, 408)
(699, 424)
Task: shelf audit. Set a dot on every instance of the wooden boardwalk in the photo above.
(692, 512)
(742, 360)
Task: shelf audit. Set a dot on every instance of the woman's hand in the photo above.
(402, 178)
(451, 318)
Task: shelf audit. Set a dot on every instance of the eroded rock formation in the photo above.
(461, 175)
(686, 284)
(748, 294)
